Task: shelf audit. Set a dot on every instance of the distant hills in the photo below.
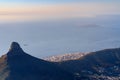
(99, 65)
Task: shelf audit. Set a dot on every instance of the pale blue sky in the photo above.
(59, 0)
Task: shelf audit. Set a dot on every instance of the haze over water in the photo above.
(58, 27)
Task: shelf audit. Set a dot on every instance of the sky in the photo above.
(15, 10)
(51, 27)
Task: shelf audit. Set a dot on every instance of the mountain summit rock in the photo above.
(15, 46)
(15, 49)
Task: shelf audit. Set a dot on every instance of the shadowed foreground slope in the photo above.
(17, 65)
(100, 65)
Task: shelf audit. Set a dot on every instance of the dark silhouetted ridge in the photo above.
(99, 65)
(18, 65)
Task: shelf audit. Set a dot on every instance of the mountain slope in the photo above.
(100, 65)
(17, 65)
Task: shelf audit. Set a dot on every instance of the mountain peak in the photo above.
(15, 49)
(14, 45)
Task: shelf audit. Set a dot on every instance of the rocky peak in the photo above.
(15, 46)
(15, 49)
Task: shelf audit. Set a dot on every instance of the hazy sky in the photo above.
(52, 9)
(55, 1)
(51, 27)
